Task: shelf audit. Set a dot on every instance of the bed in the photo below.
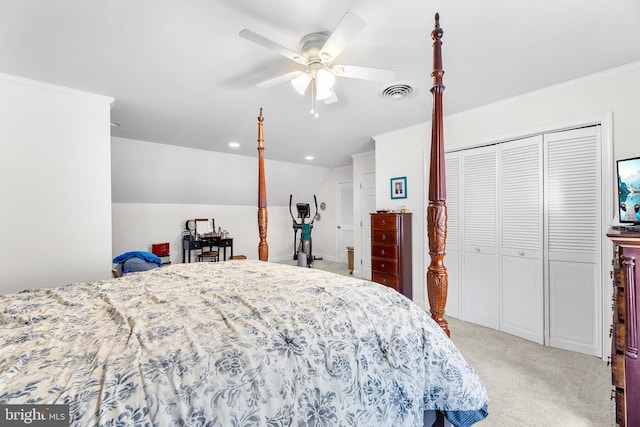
(235, 343)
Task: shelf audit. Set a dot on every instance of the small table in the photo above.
(222, 243)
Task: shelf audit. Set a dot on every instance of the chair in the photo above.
(208, 255)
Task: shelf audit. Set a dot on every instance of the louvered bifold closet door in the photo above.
(521, 249)
(479, 271)
(572, 239)
(453, 250)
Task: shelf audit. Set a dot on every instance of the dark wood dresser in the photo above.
(391, 251)
(625, 330)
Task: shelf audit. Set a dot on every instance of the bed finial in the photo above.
(263, 217)
(437, 279)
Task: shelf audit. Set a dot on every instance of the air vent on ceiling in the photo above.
(396, 90)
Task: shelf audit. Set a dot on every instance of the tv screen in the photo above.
(629, 190)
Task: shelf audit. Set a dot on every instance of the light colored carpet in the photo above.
(529, 384)
(532, 385)
(321, 264)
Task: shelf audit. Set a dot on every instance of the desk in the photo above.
(222, 243)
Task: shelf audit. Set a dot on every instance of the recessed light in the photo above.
(309, 158)
(234, 145)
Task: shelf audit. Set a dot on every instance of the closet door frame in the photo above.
(605, 120)
(454, 245)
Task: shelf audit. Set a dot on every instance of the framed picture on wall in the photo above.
(399, 187)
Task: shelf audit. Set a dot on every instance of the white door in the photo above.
(521, 250)
(479, 273)
(344, 220)
(368, 205)
(453, 248)
(572, 239)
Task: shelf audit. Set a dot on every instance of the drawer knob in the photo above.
(382, 265)
(384, 281)
(384, 222)
(382, 252)
(384, 237)
(521, 253)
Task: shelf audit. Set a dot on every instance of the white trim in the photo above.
(606, 250)
(365, 154)
(589, 120)
(57, 88)
(426, 165)
(419, 125)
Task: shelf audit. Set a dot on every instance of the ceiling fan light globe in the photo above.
(301, 83)
(323, 93)
(325, 79)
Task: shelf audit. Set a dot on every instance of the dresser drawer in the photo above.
(224, 243)
(384, 237)
(621, 304)
(621, 418)
(618, 337)
(617, 370)
(387, 266)
(384, 222)
(618, 277)
(386, 279)
(384, 252)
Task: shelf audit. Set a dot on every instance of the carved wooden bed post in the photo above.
(263, 217)
(437, 280)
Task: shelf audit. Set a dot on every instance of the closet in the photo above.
(523, 241)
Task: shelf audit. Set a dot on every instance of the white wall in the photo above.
(398, 154)
(136, 226)
(148, 172)
(157, 187)
(55, 185)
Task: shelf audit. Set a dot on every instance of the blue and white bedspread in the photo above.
(236, 343)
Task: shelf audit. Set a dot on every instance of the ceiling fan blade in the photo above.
(280, 79)
(365, 73)
(265, 42)
(348, 27)
(333, 98)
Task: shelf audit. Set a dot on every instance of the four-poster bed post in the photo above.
(437, 281)
(263, 217)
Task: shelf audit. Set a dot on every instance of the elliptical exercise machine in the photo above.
(302, 250)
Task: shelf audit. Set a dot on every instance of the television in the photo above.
(629, 190)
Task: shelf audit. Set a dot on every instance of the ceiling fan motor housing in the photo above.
(311, 44)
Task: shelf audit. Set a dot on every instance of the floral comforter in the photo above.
(236, 343)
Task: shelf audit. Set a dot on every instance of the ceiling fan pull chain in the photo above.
(313, 91)
(314, 99)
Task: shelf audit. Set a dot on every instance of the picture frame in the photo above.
(399, 187)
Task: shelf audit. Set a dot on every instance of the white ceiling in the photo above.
(181, 75)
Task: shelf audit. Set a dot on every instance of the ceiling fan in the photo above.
(317, 52)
